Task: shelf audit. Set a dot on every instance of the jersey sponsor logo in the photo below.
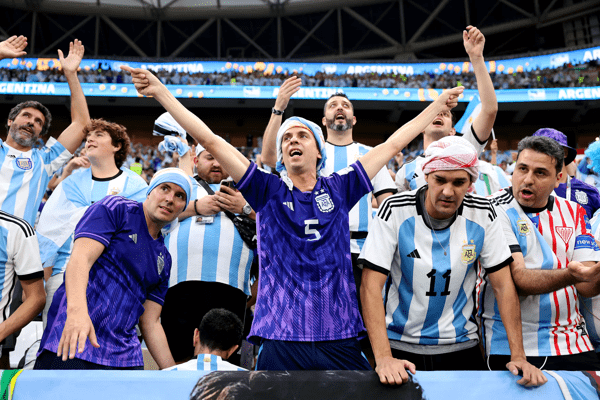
(468, 253)
(133, 237)
(581, 197)
(414, 254)
(523, 227)
(324, 202)
(24, 163)
(585, 242)
(565, 233)
(289, 205)
(160, 263)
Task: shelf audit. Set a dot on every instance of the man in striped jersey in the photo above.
(19, 258)
(215, 340)
(211, 262)
(410, 176)
(428, 242)
(24, 171)
(107, 146)
(555, 262)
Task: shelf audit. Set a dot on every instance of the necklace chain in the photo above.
(433, 229)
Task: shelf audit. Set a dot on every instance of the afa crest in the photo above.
(468, 253)
(114, 191)
(581, 197)
(523, 227)
(24, 163)
(324, 202)
(160, 263)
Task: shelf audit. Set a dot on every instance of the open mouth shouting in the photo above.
(438, 122)
(340, 116)
(295, 153)
(526, 194)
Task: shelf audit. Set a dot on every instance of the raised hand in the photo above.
(13, 47)
(145, 82)
(71, 63)
(287, 90)
(449, 98)
(474, 41)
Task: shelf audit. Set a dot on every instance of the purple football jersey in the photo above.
(133, 268)
(306, 288)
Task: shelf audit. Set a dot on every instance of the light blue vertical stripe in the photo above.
(340, 160)
(212, 237)
(3, 257)
(37, 187)
(99, 190)
(475, 235)
(405, 287)
(183, 237)
(213, 363)
(586, 304)
(234, 262)
(62, 256)
(504, 183)
(363, 204)
(441, 263)
(15, 184)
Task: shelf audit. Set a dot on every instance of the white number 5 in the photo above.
(309, 231)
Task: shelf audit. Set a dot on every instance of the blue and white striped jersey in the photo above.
(548, 239)
(433, 273)
(590, 307)
(24, 177)
(411, 177)
(491, 179)
(206, 362)
(209, 252)
(340, 157)
(20, 256)
(68, 202)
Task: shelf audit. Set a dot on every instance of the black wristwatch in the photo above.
(277, 112)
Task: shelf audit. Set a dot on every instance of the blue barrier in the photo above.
(440, 385)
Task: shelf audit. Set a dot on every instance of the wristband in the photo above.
(276, 111)
(195, 208)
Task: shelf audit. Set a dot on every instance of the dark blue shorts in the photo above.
(278, 355)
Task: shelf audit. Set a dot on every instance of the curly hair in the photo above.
(31, 104)
(118, 134)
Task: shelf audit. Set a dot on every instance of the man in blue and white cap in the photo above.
(118, 274)
(306, 315)
(571, 188)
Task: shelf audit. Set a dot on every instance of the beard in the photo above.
(20, 138)
(331, 124)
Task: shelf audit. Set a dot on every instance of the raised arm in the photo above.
(474, 41)
(375, 159)
(149, 85)
(72, 137)
(13, 47)
(269, 147)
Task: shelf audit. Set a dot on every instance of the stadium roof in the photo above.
(184, 9)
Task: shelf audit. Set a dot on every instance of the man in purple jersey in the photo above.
(306, 312)
(118, 274)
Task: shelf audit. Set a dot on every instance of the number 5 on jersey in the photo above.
(309, 231)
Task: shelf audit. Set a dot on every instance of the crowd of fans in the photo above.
(582, 75)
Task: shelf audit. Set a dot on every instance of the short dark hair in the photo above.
(337, 94)
(118, 135)
(31, 104)
(544, 145)
(220, 329)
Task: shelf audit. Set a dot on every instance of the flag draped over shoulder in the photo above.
(71, 199)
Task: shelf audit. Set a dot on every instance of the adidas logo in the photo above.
(415, 176)
(414, 254)
(12, 156)
(289, 205)
(133, 237)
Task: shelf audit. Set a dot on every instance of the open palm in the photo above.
(13, 47)
(71, 63)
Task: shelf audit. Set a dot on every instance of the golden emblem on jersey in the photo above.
(114, 191)
(523, 227)
(468, 253)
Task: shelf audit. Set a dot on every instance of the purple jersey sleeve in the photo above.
(263, 183)
(101, 221)
(353, 182)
